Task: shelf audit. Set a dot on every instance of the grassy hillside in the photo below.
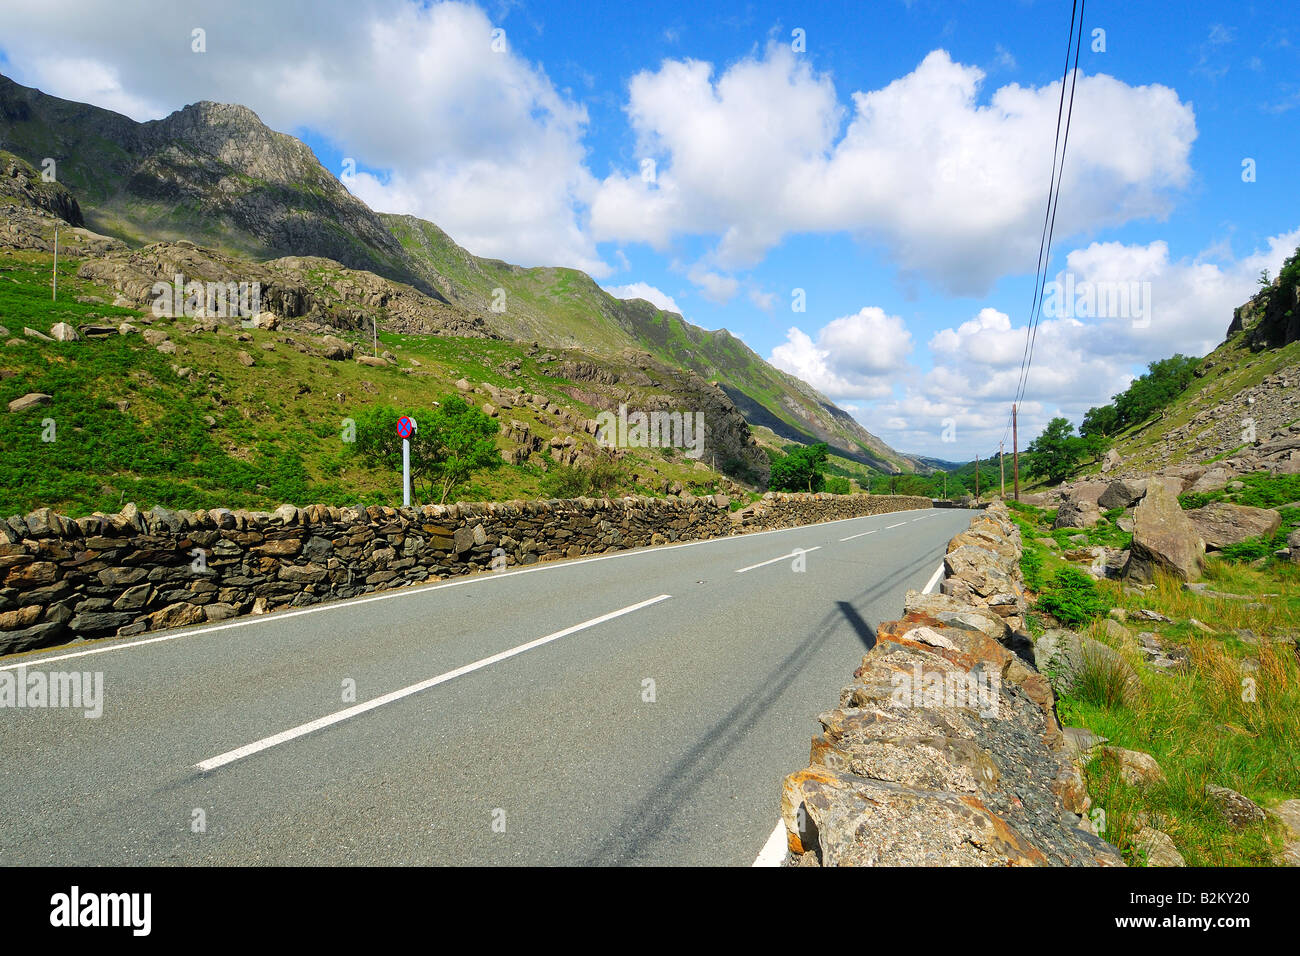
(566, 308)
(128, 427)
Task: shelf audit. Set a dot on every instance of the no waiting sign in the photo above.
(405, 426)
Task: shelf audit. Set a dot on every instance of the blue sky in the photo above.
(893, 165)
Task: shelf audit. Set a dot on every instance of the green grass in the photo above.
(1199, 723)
(276, 430)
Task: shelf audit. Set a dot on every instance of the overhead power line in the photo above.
(1064, 113)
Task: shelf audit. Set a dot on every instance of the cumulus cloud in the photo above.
(951, 187)
(1079, 360)
(714, 286)
(642, 290)
(478, 141)
(854, 356)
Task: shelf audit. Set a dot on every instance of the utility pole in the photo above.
(54, 296)
(977, 477)
(1015, 453)
(1002, 471)
(945, 485)
(375, 319)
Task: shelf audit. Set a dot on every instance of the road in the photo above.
(636, 708)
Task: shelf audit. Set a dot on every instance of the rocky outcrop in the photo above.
(131, 572)
(1221, 524)
(945, 750)
(1271, 319)
(1164, 539)
(313, 289)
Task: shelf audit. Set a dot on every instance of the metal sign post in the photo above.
(405, 427)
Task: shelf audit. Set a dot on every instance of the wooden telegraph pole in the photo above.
(977, 477)
(54, 294)
(1015, 453)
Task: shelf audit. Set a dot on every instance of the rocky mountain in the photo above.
(216, 176)
(1245, 394)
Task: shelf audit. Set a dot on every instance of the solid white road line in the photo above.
(934, 579)
(793, 554)
(265, 743)
(774, 850)
(863, 535)
(113, 644)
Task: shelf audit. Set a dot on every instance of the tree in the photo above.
(803, 469)
(1056, 452)
(450, 444)
(1101, 421)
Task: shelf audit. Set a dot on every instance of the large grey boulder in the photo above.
(1122, 493)
(1214, 479)
(1221, 524)
(1077, 513)
(1164, 539)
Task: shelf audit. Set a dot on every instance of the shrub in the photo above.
(836, 485)
(1031, 566)
(1072, 598)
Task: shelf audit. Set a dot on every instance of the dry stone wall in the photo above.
(64, 579)
(945, 750)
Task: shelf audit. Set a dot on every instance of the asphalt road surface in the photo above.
(635, 708)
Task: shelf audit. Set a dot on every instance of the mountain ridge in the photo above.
(215, 174)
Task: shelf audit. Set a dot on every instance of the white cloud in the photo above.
(1078, 362)
(641, 290)
(952, 189)
(482, 143)
(714, 286)
(855, 356)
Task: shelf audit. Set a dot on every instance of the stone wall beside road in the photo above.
(945, 749)
(63, 579)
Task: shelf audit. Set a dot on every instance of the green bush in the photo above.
(1073, 598)
(602, 478)
(836, 485)
(1031, 566)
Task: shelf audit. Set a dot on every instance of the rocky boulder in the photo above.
(1164, 539)
(1235, 809)
(335, 349)
(30, 400)
(1214, 479)
(1122, 493)
(1064, 655)
(1077, 513)
(1221, 524)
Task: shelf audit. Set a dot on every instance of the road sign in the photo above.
(405, 426)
